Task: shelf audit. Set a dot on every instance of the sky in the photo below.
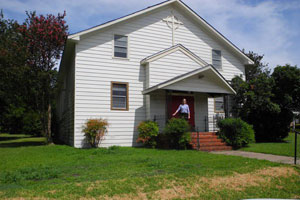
(268, 27)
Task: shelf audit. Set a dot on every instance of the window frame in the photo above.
(127, 95)
(219, 111)
(113, 46)
(212, 58)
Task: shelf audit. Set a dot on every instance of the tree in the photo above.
(253, 70)
(17, 84)
(266, 101)
(287, 87)
(45, 37)
(28, 55)
(286, 93)
(257, 107)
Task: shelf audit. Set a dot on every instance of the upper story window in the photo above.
(219, 104)
(217, 59)
(120, 46)
(119, 96)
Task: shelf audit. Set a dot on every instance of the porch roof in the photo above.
(172, 49)
(191, 81)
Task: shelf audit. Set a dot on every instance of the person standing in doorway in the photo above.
(183, 110)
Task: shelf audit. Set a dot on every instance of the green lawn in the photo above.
(19, 140)
(286, 148)
(63, 172)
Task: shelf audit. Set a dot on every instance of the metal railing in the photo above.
(296, 144)
(198, 139)
(209, 123)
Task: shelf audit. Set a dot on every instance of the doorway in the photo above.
(176, 100)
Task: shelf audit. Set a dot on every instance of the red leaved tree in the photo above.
(45, 38)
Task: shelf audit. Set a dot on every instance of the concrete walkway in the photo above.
(260, 156)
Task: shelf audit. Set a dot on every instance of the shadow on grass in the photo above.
(8, 138)
(270, 142)
(20, 141)
(22, 144)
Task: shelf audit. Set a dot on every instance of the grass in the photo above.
(285, 148)
(63, 172)
(19, 140)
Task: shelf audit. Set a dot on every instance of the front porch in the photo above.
(164, 103)
(199, 87)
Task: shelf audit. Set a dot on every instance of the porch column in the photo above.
(148, 106)
(226, 105)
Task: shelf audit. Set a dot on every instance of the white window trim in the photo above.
(113, 46)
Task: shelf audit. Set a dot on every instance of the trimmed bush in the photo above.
(94, 131)
(236, 132)
(177, 132)
(148, 131)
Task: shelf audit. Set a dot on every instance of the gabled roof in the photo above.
(178, 3)
(76, 36)
(177, 47)
(188, 75)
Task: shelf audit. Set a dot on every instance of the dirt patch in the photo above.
(239, 182)
(52, 191)
(22, 198)
(192, 187)
(195, 186)
(278, 172)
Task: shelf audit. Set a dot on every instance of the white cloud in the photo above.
(260, 27)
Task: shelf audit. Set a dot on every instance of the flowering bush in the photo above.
(148, 131)
(94, 131)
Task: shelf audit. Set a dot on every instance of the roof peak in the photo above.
(76, 36)
(172, 49)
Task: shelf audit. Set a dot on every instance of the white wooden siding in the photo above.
(95, 69)
(201, 111)
(207, 84)
(170, 66)
(196, 39)
(158, 107)
(65, 104)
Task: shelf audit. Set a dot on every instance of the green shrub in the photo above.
(163, 141)
(94, 131)
(236, 132)
(177, 132)
(148, 131)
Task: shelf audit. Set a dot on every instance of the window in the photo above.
(219, 104)
(120, 46)
(216, 59)
(119, 96)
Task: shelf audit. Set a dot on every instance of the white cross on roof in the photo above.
(173, 23)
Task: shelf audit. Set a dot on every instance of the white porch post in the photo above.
(148, 106)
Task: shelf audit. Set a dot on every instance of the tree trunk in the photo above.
(49, 137)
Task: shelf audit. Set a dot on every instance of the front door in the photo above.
(176, 101)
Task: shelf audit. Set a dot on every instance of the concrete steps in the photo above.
(208, 141)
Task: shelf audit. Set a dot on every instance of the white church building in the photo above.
(140, 67)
